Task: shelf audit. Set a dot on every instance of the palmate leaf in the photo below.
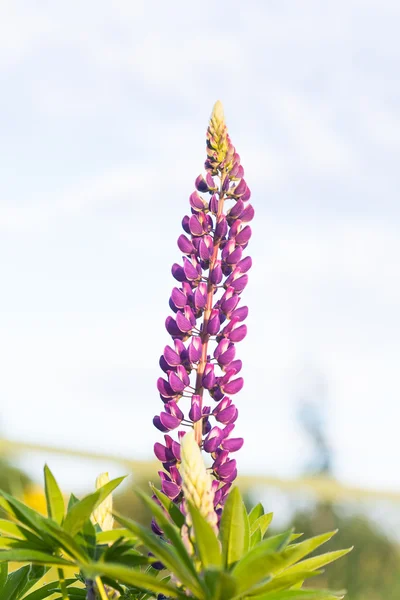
(206, 541)
(234, 529)
(47, 590)
(316, 562)
(283, 582)
(21, 581)
(27, 516)
(295, 552)
(172, 533)
(166, 553)
(54, 497)
(143, 581)
(261, 562)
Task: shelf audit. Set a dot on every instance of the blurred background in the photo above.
(103, 112)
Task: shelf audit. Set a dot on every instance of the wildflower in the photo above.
(208, 319)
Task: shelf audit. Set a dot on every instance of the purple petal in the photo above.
(233, 444)
(178, 272)
(248, 213)
(227, 471)
(230, 304)
(176, 450)
(196, 228)
(221, 228)
(213, 440)
(161, 452)
(240, 188)
(209, 378)
(240, 313)
(157, 423)
(201, 184)
(164, 388)
(244, 265)
(195, 349)
(170, 489)
(240, 283)
(183, 324)
(176, 383)
(173, 409)
(197, 202)
(233, 387)
(171, 357)
(214, 323)
(185, 224)
(234, 257)
(236, 210)
(213, 205)
(169, 421)
(238, 334)
(199, 299)
(185, 245)
(195, 410)
(243, 236)
(189, 270)
(228, 415)
(216, 274)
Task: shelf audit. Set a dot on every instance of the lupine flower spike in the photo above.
(208, 319)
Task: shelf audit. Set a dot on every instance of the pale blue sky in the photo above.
(103, 111)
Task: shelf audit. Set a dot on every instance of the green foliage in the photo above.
(372, 571)
(236, 562)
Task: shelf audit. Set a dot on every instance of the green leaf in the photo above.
(206, 540)
(300, 595)
(233, 530)
(166, 553)
(220, 584)
(256, 512)
(79, 513)
(171, 508)
(263, 523)
(295, 552)
(3, 575)
(255, 537)
(104, 537)
(284, 582)
(72, 500)
(47, 590)
(27, 516)
(33, 556)
(173, 534)
(144, 581)
(316, 562)
(16, 583)
(66, 542)
(261, 562)
(54, 497)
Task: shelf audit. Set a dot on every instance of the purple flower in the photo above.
(208, 319)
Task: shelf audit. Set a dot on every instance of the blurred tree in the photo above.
(372, 570)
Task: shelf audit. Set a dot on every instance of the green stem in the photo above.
(100, 587)
(63, 585)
